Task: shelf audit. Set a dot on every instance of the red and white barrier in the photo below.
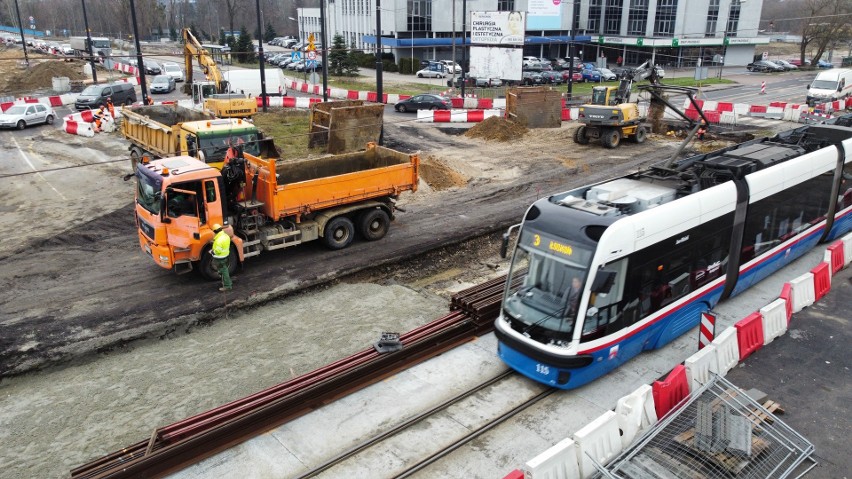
(635, 414)
(802, 292)
(727, 350)
(79, 128)
(558, 461)
(456, 116)
(699, 366)
(774, 320)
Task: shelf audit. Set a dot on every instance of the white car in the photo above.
(427, 73)
(452, 66)
(22, 116)
(173, 70)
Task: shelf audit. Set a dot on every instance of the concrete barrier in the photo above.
(598, 440)
(635, 414)
(558, 462)
(802, 292)
(774, 317)
(727, 350)
(700, 365)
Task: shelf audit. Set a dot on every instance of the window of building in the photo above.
(664, 23)
(612, 17)
(638, 17)
(712, 18)
(419, 15)
(505, 5)
(733, 19)
(595, 10)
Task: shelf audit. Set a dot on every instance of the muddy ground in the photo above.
(112, 346)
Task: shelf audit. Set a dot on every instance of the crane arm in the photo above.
(193, 49)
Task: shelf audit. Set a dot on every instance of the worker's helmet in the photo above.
(217, 227)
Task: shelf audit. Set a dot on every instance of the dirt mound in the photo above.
(15, 78)
(497, 128)
(439, 175)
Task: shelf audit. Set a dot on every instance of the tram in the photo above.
(603, 272)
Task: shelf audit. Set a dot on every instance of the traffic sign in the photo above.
(296, 56)
(311, 38)
(312, 55)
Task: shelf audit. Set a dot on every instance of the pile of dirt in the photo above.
(497, 128)
(439, 175)
(14, 78)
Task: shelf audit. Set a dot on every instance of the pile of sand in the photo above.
(497, 128)
(14, 78)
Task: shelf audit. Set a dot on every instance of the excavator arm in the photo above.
(193, 49)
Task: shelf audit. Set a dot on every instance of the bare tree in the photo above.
(825, 22)
(231, 6)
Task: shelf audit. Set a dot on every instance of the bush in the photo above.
(409, 65)
(389, 65)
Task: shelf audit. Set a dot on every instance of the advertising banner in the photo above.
(497, 28)
(544, 14)
(496, 62)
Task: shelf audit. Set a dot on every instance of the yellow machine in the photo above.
(611, 116)
(213, 94)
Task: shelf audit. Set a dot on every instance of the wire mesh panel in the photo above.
(717, 432)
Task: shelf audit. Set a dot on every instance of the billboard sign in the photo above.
(496, 62)
(544, 14)
(497, 28)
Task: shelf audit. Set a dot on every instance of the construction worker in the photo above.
(111, 107)
(221, 250)
(98, 119)
(701, 131)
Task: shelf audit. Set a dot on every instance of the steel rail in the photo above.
(185, 442)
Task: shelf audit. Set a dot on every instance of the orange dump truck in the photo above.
(269, 204)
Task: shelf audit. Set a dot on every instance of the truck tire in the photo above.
(338, 232)
(580, 136)
(207, 268)
(641, 135)
(135, 157)
(373, 224)
(611, 137)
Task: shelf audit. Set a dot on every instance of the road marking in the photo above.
(27, 159)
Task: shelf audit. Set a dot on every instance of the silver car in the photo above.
(162, 84)
(22, 116)
(173, 70)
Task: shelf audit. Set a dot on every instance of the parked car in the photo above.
(426, 101)
(577, 77)
(552, 77)
(432, 71)
(787, 65)
(777, 63)
(531, 78)
(22, 116)
(607, 74)
(452, 66)
(162, 84)
(173, 70)
(475, 82)
(591, 75)
(764, 66)
(285, 61)
(824, 64)
(152, 67)
(798, 63)
(296, 64)
(95, 96)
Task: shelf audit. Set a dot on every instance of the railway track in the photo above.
(173, 447)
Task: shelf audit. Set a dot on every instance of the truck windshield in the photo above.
(545, 286)
(824, 84)
(100, 43)
(214, 148)
(148, 191)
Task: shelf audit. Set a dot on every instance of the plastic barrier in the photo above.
(728, 118)
(724, 106)
(558, 462)
(516, 474)
(700, 365)
(79, 128)
(836, 256)
(635, 414)
(847, 249)
(802, 293)
(822, 280)
(757, 109)
(668, 393)
(599, 439)
(566, 114)
(727, 350)
(749, 334)
(713, 116)
(787, 296)
(774, 320)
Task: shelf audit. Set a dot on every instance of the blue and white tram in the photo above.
(603, 272)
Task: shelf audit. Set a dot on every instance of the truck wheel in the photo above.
(373, 224)
(207, 267)
(580, 136)
(611, 138)
(641, 135)
(338, 233)
(135, 156)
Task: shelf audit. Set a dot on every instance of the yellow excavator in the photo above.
(611, 116)
(214, 94)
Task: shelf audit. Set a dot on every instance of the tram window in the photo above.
(606, 312)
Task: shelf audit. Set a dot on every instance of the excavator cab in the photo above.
(603, 95)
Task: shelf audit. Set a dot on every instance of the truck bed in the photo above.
(154, 126)
(296, 188)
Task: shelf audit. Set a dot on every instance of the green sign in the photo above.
(726, 41)
(675, 42)
(601, 39)
(640, 41)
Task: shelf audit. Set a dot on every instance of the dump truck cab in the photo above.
(178, 200)
(209, 140)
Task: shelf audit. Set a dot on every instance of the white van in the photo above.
(830, 85)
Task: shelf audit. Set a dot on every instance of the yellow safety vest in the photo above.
(221, 245)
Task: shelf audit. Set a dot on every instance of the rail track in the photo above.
(173, 447)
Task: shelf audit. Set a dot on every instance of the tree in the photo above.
(270, 33)
(337, 55)
(825, 22)
(231, 7)
(244, 47)
(350, 67)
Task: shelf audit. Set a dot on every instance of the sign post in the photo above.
(707, 329)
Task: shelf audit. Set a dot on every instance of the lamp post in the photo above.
(263, 97)
(379, 51)
(325, 47)
(21, 28)
(464, 44)
(139, 63)
(574, 16)
(89, 44)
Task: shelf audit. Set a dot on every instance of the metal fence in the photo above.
(718, 432)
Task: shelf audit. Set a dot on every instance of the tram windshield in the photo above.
(545, 286)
